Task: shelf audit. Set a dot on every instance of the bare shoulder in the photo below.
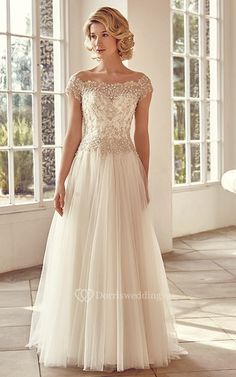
(83, 75)
(132, 75)
(126, 75)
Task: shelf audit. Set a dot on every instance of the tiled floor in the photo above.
(201, 272)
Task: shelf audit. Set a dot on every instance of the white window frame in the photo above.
(40, 203)
(220, 99)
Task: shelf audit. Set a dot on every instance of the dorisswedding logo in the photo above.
(85, 295)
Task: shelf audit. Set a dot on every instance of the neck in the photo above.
(111, 65)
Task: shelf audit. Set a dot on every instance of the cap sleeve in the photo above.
(145, 87)
(74, 86)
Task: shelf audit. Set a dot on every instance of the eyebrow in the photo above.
(104, 31)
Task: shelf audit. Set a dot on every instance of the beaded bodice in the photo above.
(107, 112)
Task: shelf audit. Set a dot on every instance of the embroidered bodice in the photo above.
(107, 112)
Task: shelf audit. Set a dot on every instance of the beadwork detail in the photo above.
(107, 112)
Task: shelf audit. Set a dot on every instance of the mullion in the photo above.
(187, 96)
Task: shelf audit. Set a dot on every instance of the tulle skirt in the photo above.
(103, 301)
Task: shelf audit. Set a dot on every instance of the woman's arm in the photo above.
(141, 136)
(70, 146)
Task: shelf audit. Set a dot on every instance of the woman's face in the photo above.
(102, 42)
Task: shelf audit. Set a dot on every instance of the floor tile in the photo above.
(175, 292)
(213, 373)
(187, 309)
(206, 236)
(201, 272)
(217, 290)
(218, 254)
(232, 271)
(34, 284)
(181, 278)
(229, 232)
(211, 355)
(188, 265)
(14, 286)
(15, 316)
(14, 337)
(228, 324)
(218, 307)
(19, 364)
(199, 329)
(21, 275)
(33, 293)
(76, 372)
(208, 245)
(15, 298)
(226, 263)
(175, 255)
(179, 244)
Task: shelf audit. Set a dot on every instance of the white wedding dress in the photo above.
(103, 300)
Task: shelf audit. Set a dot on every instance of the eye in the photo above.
(105, 35)
(93, 36)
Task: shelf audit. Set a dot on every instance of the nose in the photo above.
(98, 41)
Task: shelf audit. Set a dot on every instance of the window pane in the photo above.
(194, 121)
(46, 18)
(211, 38)
(46, 59)
(21, 63)
(21, 17)
(195, 162)
(211, 79)
(49, 176)
(178, 32)
(48, 119)
(193, 6)
(212, 164)
(22, 119)
(3, 120)
(179, 4)
(50, 18)
(211, 120)
(194, 78)
(211, 8)
(23, 176)
(178, 76)
(179, 120)
(3, 62)
(180, 164)
(3, 25)
(50, 65)
(4, 184)
(193, 35)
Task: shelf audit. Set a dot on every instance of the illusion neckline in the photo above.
(111, 83)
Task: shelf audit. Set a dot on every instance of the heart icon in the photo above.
(84, 295)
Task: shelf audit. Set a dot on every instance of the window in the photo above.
(31, 101)
(196, 91)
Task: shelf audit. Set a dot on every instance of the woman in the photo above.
(103, 301)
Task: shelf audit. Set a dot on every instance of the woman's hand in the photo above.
(146, 188)
(59, 198)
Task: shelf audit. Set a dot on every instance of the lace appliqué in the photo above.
(140, 87)
(75, 86)
(108, 110)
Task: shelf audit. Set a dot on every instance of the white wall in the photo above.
(151, 27)
(23, 238)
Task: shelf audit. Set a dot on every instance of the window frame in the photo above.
(202, 100)
(37, 145)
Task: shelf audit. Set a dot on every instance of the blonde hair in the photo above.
(117, 25)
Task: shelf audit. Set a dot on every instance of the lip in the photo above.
(100, 50)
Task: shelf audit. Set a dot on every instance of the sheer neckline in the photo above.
(111, 83)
